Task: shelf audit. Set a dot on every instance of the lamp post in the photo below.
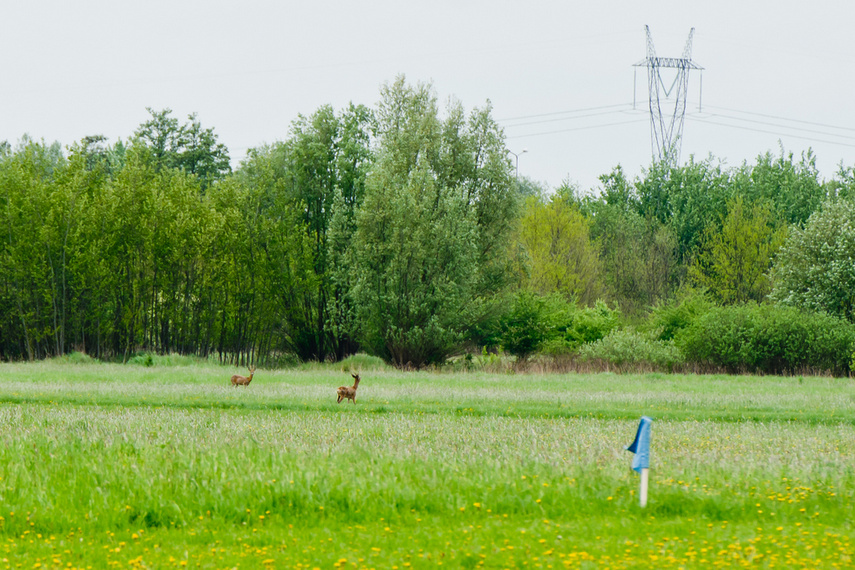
(517, 157)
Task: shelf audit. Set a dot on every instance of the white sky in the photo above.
(774, 70)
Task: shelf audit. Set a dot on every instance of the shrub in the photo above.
(486, 361)
(589, 324)
(625, 347)
(362, 361)
(172, 359)
(527, 324)
(77, 357)
(552, 325)
(769, 339)
(670, 318)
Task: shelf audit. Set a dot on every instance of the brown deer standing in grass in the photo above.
(349, 392)
(238, 380)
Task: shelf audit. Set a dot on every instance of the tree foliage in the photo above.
(792, 189)
(431, 230)
(561, 258)
(638, 257)
(298, 188)
(816, 265)
(527, 324)
(397, 229)
(733, 262)
(188, 147)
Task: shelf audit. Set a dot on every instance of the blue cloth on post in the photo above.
(641, 446)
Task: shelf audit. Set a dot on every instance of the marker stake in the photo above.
(642, 493)
(641, 461)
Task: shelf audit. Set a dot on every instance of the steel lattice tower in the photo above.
(666, 130)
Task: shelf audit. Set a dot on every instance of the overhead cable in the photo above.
(588, 127)
(783, 118)
(777, 133)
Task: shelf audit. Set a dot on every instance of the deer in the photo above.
(238, 380)
(348, 392)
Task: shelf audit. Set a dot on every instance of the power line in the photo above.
(555, 116)
(582, 110)
(782, 126)
(558, 119)
(783, 118)
(838, 143)
(578, 129)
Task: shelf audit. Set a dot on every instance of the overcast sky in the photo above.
(559, 74)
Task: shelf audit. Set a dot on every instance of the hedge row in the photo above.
(695, 333)
(771, 339)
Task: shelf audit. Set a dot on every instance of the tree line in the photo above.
(397, 229)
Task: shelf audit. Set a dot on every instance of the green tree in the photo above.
(353, 163)
(249, 265)
(432, 228)
(843, 183)
(29, 255)
(638, 257)
(299, 186)
(618, 192)
(792, 189)
(733, 263)
(685, 199)
(648, 229)
(554, 237)
(188, 147)
(526, 325)
(815, 268)
(105, 159)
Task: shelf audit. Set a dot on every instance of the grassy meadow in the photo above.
(108, 465)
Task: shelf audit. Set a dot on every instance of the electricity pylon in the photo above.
(666, 130)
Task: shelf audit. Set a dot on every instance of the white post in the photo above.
(642, 494)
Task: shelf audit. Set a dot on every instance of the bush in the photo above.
(552, 325)
(588, 324)
(623, 347)
(670, 318)
(769, 339)
(486, 361)
(361, 361)
(528, 323)
(76, 357)
(154, 359)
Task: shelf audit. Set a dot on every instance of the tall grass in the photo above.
(174, 454)
(162, 467)
(663, 396)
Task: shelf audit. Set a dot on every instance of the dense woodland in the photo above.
(401, 230)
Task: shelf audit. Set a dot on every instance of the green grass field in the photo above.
(107, 465)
